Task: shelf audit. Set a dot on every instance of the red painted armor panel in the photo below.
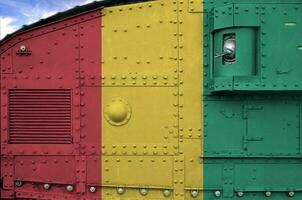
(48, 131)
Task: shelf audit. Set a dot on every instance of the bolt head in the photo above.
(194, 193)
(240, 194)
(217, 193)
(18, 183)
(92, 189)
(46, 186)
(268, 194)
(291, 194)
(167, 193)
(143, 191)
(69, 188)
(23, 48)
(120, 190)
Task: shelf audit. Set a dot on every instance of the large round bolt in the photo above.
(217, 193)
(167, 193)
(194, 193)
(92, 189)
(143, 191)
(120, 190)
(23, 48)
(268, 193)
(46, 186)
(18, 183)
(69, 188)
(291, 194)
(240, 194)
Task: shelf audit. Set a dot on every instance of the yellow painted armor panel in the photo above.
(152, 101)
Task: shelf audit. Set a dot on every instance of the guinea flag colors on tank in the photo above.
(164, 99)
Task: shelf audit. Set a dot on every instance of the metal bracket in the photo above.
(23, 53)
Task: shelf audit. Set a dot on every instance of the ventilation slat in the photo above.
(40, 116)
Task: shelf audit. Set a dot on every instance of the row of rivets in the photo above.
(194, 193)
(267, 194)
(143, 191)
(46, 186)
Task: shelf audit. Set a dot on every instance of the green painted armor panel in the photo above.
(260, 30)
(252, 106)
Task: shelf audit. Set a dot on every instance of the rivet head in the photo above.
(120, 190)
(268, 194)
(194, 193)
(143, 191)
(69, 188)
(46, 186)
(92, 189)
(291, 194)
(217, 193)
(240, 194)
(167, 193)
(18, 183)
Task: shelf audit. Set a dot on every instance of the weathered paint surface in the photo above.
(129, 102)
(133, 111)
(152, 100)
(50, 132)
(252, 145)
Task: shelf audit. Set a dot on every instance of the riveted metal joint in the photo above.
(240, 194)
(167, 193)
(194, 193)
(217, 193)
(143, 191)
(92, 189)
(46, 186)
(18, 183)
(291, 193)
(120, 190)
(69, 188)
(268, 193)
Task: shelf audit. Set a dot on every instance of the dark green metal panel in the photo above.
(253, 178)
(225, 128)
(222, 17)
(252, 107)
(260, 62)
(262, 176)
(280, 40)
(273, 128)
(247, 15)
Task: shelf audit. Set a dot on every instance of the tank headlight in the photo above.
(229, 49)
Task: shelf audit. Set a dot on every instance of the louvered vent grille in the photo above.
(40, 116)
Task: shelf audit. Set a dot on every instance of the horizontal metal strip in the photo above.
(40, 133)
(26, 91)
(40, 102)
(37, 120)
(12, 130)
(46, 96)
(47, 107)
(40, 142)
(40, 137)
(49, 112)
